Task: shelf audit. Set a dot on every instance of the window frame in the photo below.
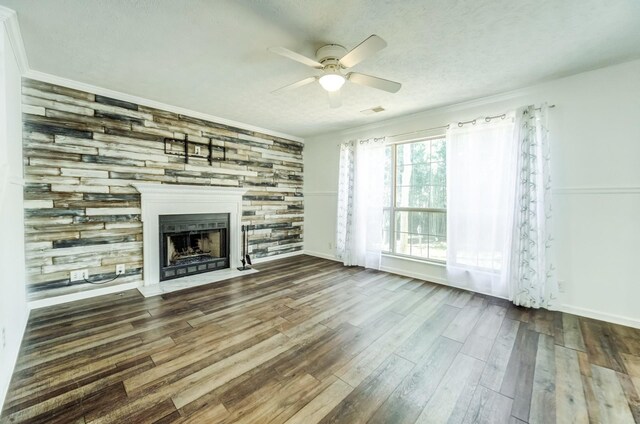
(392, 209)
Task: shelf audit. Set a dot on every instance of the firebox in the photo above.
(193, 244)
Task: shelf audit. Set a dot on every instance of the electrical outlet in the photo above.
(330, 245)
(79, 275)
(562, 288)
(4, 338)
(197, 150)
(120, 269)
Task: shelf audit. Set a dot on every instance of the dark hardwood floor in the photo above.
(307, 340)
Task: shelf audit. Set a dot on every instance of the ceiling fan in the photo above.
(332, 60)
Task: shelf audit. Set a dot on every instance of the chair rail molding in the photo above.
(596, 190)
(320, 193)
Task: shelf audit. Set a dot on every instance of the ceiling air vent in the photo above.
(373, 110)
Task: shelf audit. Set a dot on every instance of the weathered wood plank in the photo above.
(612, 403)
(451, 399)
(571, 405)
(488, 406)
(360, 404)
(543, 397)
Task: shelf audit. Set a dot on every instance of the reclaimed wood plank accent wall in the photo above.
(82, 151)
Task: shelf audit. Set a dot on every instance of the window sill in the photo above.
(418, 260)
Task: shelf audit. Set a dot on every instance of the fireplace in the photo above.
(193, 244)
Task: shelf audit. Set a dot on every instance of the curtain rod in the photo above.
(460, 124)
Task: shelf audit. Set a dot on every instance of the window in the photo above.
(416, 200)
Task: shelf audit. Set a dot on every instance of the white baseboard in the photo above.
(602, 316)
(432, 279)
(321, 255)
(416, 275)
(584, 312)
(276, 257)
(43, 303)
(575, 310)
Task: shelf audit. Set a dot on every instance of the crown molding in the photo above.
(10, 19)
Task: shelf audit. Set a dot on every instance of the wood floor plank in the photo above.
(199, 383)
(195, 355)
(360, 404)
(543, 397)
(209, 414)
(271, 400)
(453, 395)
(408, 400)
(322, 404)
(483, 335)
(518, 379)
(70, 398)
(587, 384)
(360, 367)
(612, 402)
(494, 371)
(572, 332)
(488, 407)
(422, 339)
(600, 345)
(309, 340)
(461, 327)
(571, 405)
(631, 393)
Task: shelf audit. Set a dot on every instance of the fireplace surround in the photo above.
(172, 199)
(193, 244)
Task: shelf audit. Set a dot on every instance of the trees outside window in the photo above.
(416, 199)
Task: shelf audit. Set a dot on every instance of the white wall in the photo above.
(595, 131)
(13, 302)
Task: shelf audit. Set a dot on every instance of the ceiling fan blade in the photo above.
(375, 82)
(335, 101)
(363, 50)
(296, 84)
(295, 56)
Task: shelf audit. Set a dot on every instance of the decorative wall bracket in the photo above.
(186, 148)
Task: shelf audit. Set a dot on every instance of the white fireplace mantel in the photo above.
(169, 199)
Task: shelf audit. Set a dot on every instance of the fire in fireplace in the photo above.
(192, 244)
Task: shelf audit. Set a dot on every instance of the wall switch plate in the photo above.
(120, 269)
(4, 338)
(197, 150)
(79, 275)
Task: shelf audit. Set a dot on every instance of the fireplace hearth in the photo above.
(193, 244)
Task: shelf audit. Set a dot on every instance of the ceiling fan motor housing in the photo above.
(330, 54)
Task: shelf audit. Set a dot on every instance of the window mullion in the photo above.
(392, 211)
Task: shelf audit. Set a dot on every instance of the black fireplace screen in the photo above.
(194, 247)
(192, 244)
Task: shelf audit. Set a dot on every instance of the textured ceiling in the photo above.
(211, 56)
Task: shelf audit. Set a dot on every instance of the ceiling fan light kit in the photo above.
(332, 59)
(331, 82)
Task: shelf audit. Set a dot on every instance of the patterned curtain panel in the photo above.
(531, 276)
(360, 190)
(345, 200)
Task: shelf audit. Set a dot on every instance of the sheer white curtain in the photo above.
(531, 275)
(360, 196)
(480, 193)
